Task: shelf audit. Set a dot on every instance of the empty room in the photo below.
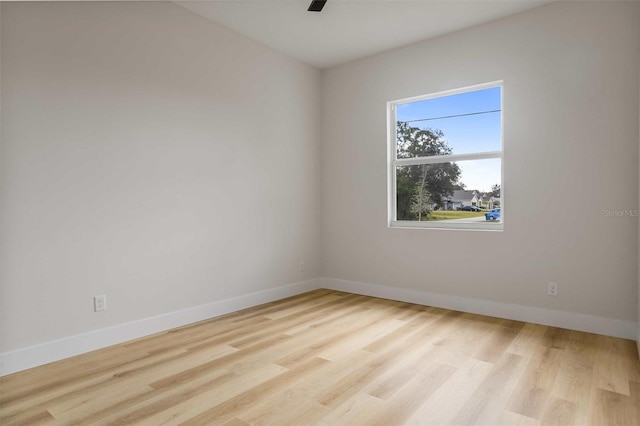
(341, 212)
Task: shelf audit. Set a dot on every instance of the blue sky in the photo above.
(475, 133)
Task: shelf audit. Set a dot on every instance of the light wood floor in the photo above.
(334, 358)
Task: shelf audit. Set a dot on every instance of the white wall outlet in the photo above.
(552, 289)
(99, 303)
(301, 266)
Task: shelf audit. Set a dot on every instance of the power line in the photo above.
(453, 116)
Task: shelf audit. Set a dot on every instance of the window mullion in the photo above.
(446, 158)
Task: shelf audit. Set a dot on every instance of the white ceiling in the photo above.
(349, 29)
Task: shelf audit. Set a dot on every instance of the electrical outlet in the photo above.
(552, 289)
(301, 266)
(99, 303)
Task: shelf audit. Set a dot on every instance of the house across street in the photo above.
(463, 197)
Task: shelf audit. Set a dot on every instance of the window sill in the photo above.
(448, 225)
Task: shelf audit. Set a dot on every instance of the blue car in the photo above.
(493, 215)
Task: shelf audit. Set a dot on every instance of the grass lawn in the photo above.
(452, 214)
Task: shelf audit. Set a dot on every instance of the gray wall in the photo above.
(570, 153)
(150, 155)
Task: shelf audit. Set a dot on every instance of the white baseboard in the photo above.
(22, 359)
(33, 356)
(570, 320)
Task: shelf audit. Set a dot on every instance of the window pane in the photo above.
(456, 124)
(462, 191)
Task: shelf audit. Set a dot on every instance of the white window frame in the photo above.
(394, 162)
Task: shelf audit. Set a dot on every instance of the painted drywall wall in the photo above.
(1, 186)
(152, 156)
(570, 156)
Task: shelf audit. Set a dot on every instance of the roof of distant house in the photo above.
(461, 195)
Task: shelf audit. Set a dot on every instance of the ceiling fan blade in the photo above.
(316, 5)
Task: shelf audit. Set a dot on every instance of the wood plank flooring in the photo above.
(332, 358)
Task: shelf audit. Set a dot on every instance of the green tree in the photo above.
(440, 180)
(421, 202)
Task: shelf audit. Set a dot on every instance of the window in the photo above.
(445, 151)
